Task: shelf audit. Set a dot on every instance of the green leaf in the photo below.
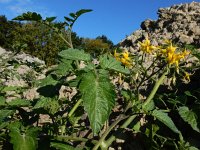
(74, 54)
(2, 101)
(4, 113)
(50, 19)
(189, 117)
(19, 103)
(108, 62)
(63, 68)
(98, 97)
(29, 16)
(24, 141)
(82, 11)
(10, 88)
(61, 146)
(188, 93)
(164, 118)
(149, 106)
(49, 80)
(48, 104)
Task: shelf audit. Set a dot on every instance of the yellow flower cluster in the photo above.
(123, 58)
(172, 56)
(146, 46)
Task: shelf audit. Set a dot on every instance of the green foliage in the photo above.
(189, 117)
(74, 54)
(115, 100)
(23, 140)
(98, 97)
(29, 16)
(95, 46)
(164, 118)
(108, 62)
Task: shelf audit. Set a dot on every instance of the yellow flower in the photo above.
(187, 76)
(123, 58)
(126, 55)
(171, 48)
(146, 46)
(173, 58)
(185, 53)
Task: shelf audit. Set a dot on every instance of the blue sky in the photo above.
(114, 18)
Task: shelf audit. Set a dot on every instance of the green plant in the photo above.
(141, 111)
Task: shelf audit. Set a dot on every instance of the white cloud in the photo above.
(5, 1)
(22, 6)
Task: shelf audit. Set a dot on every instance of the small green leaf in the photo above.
(82, 11)
(19, 103)
(42, 102)
(49, 80)
(63, 68)
(108, 62)
(149, 106)
(74, 54)
(48, 104)
(98, 97)
(10, 88)
(29, 16)
(50, 19)
(188, 93)
(4, 113)
(2, 101)
(72, 15)
(189, 117)
(24, 141)
(164, 118)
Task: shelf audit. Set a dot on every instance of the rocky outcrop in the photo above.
(179, 23)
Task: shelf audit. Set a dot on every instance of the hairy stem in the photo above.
(155, 88)
(101, 141)
(73, 138)
(113, 138)
(74, 108)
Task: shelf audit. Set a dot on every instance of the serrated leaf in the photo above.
(19, 103)
(74, 54)
(164, 118)
(24, 141)
(98, 97)
(29, 16)
(61, 146)
(108, 62)
(189, 117)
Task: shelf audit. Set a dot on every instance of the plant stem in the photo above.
(61, 36)
(101, 141)
(67, 138)
(113, 138)
(74, 108)
(155, 88)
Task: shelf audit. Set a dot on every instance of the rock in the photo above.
(179, 23)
